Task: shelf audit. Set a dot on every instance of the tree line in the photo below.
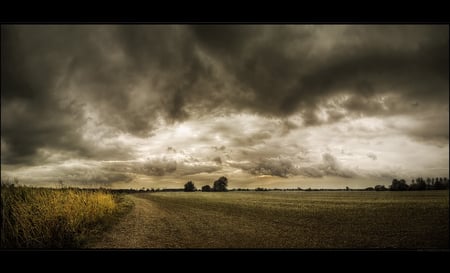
(420, 184)
(219, 185)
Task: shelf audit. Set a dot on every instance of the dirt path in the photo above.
(137, 229)
(151, 225)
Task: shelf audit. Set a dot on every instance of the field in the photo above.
(56, 218)
(405, 220)
(74, 218)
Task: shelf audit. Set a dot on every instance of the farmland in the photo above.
(401, 220)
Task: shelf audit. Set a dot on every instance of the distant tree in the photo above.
(189, 186)
(438, 185)
(206, 188)
(399, 185)
(419, 180)
(445, 183)
(220, 184)
(420, 185)
(380, 188)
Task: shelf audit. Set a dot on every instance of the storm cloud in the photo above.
(264, 99)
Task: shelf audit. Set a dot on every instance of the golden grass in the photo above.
(53, 218)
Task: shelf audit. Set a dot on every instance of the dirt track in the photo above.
(137, 229)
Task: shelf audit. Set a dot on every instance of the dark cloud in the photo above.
(286, 168)
(274, 167)
(134, 79)
(363, 62)
(92, 176)
(218, 160)
(426, 127)
(221, 148)
(190, 169)
(156, 167)
(372, 156)
(75, 173)
(252, 139)
(35, 113)
(288, 126)
(161, 167)
(331, 166)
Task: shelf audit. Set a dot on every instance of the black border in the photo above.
(235, 260)
(203, 13)
(304, 12)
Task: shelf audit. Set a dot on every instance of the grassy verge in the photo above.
(56, 218)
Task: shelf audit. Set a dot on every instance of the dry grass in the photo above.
(54, 218)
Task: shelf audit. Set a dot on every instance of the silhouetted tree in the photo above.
(420, 185)
(445, 183)
(220, 184)
(428, 183)
(438, 185)
(399, 185)
(206, 188)
(189, 186)
(380, 188)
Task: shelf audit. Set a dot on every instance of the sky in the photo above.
(279, 106)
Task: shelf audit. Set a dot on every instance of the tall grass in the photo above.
(54, 218)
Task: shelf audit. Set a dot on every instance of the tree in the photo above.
(380, 188)
(206, 188)
(220, 184)
(438, 185)
(420, 185)
(189, 186)
(445, 183)
(399, 185)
